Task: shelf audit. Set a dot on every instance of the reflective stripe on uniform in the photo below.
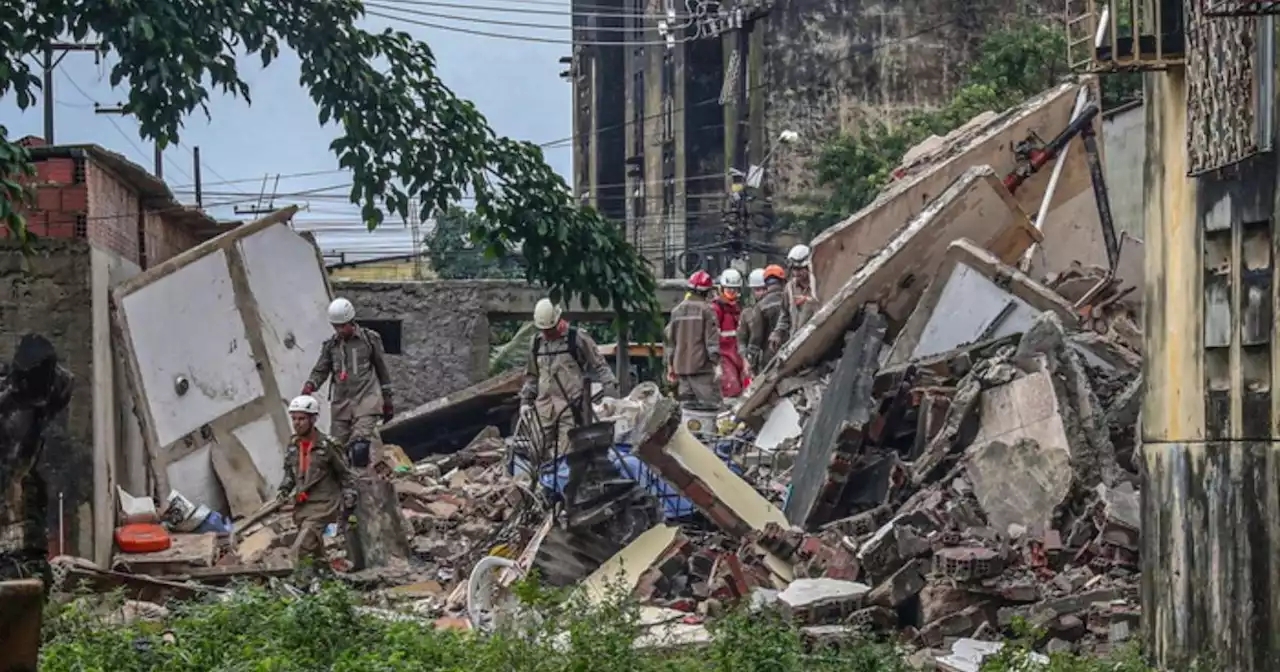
(728, 334)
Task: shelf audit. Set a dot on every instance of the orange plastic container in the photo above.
(142, 538)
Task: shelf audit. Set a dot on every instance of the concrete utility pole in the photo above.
(50, 64)
(741, 21)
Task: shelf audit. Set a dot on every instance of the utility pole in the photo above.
(50, 64)
(195, 175)
(159, 154)
(741, 20)
(260, 208)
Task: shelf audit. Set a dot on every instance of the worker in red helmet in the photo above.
(728, 317)
(692, 352)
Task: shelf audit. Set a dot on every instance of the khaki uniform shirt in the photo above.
(693, 338)
(360, 381)
(324, 467)
(553, 377)
(758, 324)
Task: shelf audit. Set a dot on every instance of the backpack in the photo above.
(571, 337)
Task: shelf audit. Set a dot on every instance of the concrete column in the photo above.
(1211, 490)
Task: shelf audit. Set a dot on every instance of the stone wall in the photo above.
(833, 66)
(444, 327)
(444, 332)
(52, 296)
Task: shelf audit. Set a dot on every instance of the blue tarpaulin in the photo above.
(674, 506)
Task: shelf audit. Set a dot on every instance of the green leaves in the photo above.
(405, 137)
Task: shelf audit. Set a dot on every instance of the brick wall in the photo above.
(79, 198)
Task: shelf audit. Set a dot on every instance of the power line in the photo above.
(520, 38)
(499, 22)
(608, 11)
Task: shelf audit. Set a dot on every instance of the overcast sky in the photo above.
(515, 83)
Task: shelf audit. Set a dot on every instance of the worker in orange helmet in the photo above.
(728, 317)
(761, 321)
(692, 352)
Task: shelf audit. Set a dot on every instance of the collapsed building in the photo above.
(945, 448)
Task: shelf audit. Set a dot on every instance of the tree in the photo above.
(1012, 64)
(404, 135)
(455, 255)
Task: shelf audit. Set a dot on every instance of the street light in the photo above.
(755, 174)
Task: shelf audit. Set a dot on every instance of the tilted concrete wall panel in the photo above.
(216, 341)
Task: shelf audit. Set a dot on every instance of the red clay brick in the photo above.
(75, 198)
(56, 171)
(48, 199)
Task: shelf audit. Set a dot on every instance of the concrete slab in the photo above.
(620, 575)
(974, 297)
(811, 600)
(451, 421)
(840, 250)
(847, 402)
(976, 206)
(1020, 461)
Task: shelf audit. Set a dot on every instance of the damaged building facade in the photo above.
(656, 99)
(1210, 417)
(99, 219)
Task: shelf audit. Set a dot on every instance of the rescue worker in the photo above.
(799, 297)
(360, 391)
(692, 351)
(564, 360)
(34, 388)
(728, 317)
(318, 479)
(760, 322)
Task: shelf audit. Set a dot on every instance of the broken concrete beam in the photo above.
(958, 624)
(976, 206)
(666, 445)
(847, 402)
(822, 601)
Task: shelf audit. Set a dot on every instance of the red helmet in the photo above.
(700, 281)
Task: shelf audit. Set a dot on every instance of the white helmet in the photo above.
(341, 312)
(731, 279)
(546, 314)
(798, 256)
(756, 279)
(305, 404)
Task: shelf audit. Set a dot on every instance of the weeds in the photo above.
(257, 630)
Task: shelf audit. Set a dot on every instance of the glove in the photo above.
(388, 411)
(308, 388)
(671, 375)
(719, 372)
(775, 342)
(348, 499)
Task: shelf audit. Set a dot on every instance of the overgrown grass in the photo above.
(263, 631)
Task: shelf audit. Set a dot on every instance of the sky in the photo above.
(513, 81)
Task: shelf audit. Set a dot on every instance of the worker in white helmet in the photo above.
(360, 386)
(759, 320)
(563, 362)
(317, 479)
(728, 311)
(800, 302)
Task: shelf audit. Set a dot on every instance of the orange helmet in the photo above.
(700, 281)
(774, 271)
